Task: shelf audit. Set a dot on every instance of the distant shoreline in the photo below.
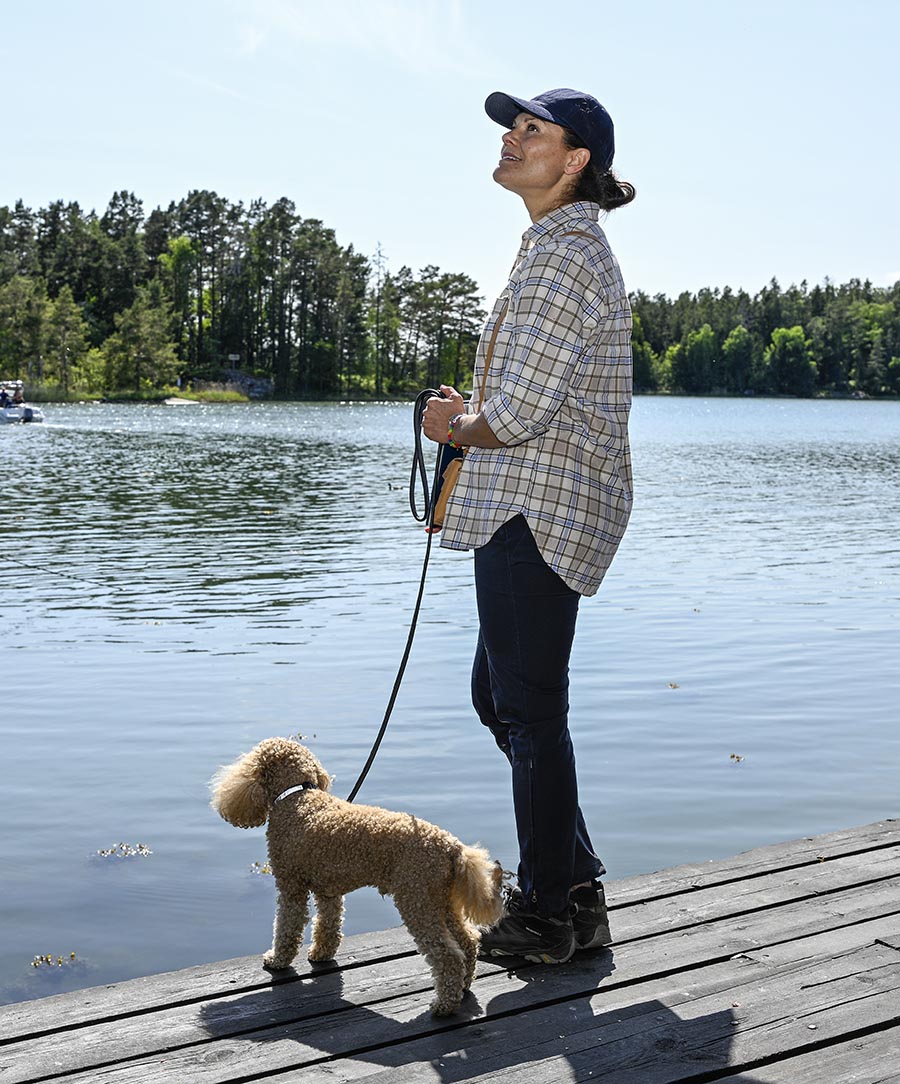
(362, 400)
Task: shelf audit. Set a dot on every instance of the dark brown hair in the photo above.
(596, 185)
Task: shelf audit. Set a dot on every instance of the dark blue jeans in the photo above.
(520, 689)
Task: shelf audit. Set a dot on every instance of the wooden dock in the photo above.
(778, 966)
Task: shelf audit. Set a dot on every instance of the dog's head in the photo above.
(243, 792)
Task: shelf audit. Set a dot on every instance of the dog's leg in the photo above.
(326, 931)
(424, 918)
(290, 922)
(465, 935)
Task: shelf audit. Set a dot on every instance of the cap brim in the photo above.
(504, 109)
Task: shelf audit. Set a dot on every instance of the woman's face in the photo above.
(534, 158)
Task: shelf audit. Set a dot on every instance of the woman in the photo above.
(544, 495)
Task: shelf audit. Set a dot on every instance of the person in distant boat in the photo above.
(18, 398)
(4, 398)
(544, 495)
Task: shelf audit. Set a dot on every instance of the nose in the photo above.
(507, 138)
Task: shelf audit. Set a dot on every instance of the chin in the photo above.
(501, 180)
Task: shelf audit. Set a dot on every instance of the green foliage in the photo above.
(666, 364)
(139, 354)
(23, 310)
(788, 361)
(644, 360)
(741, 359)
(123, 303)
(127, 302)
(176, 266)
(65, 342)
(827, 340)
(693, 368)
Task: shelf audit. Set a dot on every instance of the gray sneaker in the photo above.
(587, 907)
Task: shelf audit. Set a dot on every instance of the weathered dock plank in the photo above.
(873, 1059)
(192, 985)
(197, 983)
(719, 977)
(614, 1032)
(633, 917)
(739, 1010)
(382, 1005)
(762, 1004)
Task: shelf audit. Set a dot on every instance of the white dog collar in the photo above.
(295, 790)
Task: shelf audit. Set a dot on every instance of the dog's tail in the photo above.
(476, 885)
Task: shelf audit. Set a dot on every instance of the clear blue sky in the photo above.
(762, 138)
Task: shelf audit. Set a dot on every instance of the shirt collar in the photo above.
(563, 216)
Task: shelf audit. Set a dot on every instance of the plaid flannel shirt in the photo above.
(558, 394)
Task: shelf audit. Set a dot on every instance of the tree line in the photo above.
(128, 302)
(131, 302)
(799, 341)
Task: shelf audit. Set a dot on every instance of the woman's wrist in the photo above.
(451, 426)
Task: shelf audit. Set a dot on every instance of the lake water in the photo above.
(181, 582)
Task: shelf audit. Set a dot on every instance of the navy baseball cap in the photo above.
(571, 108)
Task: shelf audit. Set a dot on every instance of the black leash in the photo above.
(427, 517)
(418, 464)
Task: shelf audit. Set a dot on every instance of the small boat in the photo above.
(13, 408)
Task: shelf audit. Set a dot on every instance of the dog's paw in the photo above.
(442, 1006)
(271, 962)
(320, 954)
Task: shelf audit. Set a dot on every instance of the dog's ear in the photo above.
(238, 796)
(323, 778)
(311, 764)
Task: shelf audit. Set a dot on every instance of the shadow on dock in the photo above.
(641, 1042)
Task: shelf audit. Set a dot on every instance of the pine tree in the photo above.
(140, 353)
(66, 341)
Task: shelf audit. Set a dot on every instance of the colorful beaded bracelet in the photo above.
(450, 428)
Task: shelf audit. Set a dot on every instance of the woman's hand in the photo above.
(471, 430)
(438, 412)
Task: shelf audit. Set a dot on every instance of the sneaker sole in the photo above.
(535, 958)
(601, 937)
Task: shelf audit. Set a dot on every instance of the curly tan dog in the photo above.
(326, 846)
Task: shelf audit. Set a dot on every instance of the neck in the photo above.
(542, 203)
(538, 208)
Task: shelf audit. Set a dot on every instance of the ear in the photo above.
(238, 795)
(323, 778)
(578, 159)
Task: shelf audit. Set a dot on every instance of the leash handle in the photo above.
(445, 453)
(429, 497)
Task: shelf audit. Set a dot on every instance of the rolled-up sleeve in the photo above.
(557, 302)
